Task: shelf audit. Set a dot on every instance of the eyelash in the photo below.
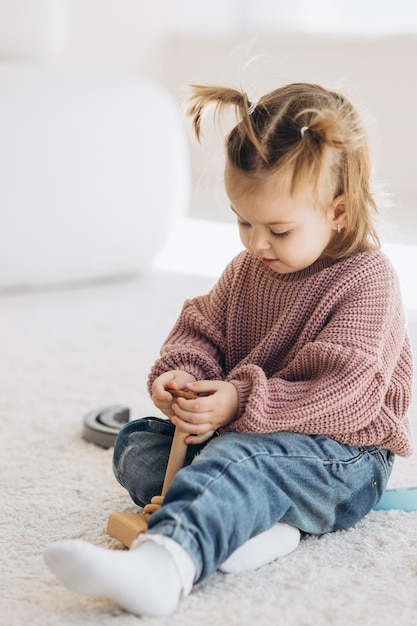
(287, 232)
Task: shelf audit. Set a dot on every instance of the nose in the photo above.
(258, 241)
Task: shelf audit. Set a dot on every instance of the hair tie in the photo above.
(252, 107)
(303, 130)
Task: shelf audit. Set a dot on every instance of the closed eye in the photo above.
(273, 233)
(284, 234)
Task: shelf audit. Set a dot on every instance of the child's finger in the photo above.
(197, 439)
(203, 387)
(183, 393)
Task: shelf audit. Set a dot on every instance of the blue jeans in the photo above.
(239, 485)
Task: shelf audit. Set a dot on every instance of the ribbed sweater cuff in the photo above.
(244, 388)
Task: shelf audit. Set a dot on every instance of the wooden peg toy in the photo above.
(127, 526)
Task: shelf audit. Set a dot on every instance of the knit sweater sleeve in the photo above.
(196, 343)
(352, 383)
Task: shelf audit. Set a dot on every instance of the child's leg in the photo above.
(236, 489)
(146, 442)
(240, 485)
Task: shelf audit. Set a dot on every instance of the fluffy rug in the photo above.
(66, 352)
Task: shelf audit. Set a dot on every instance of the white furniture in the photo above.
(94, 171)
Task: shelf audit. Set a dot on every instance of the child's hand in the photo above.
(215, 407)
(174, 379)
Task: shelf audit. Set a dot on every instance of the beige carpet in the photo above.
(65, 352)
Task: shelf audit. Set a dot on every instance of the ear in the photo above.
(338, 212)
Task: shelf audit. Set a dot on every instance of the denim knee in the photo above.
(141, 455)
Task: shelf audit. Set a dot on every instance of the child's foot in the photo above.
(144, 581)
(278, 541)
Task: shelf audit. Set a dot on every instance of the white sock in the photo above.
(144, 580)
(278, 541)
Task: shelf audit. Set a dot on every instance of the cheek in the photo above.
(244, 237)
(298, 247)
(288, 248)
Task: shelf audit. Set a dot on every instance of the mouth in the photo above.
(269, 261)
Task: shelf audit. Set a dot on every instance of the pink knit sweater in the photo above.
(320, 351)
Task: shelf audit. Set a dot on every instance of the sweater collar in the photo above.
(307, 272)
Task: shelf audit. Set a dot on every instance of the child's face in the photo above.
(288, 233)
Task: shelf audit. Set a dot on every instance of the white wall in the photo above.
(116, 36)
(219, 18)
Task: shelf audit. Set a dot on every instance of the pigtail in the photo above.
(339, 129)
(222, 97)
(328, 136)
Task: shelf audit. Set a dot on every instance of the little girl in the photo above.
(299, 356)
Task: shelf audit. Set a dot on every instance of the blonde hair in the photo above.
(315, 132)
